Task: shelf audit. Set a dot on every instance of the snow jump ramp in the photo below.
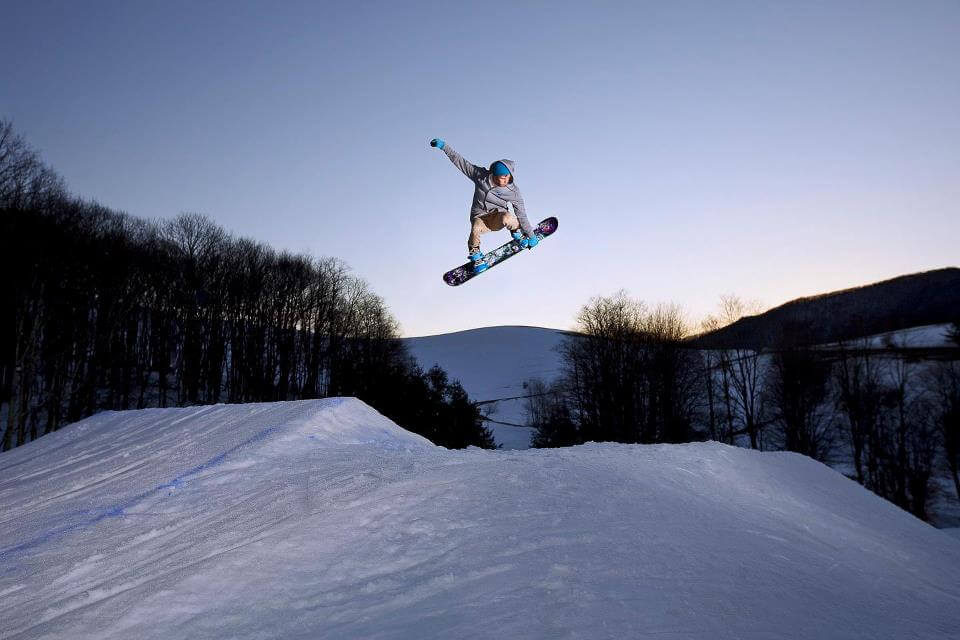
(323, 519)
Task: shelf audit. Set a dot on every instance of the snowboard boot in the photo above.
(479, 261)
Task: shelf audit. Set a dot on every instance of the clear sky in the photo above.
(689, 149)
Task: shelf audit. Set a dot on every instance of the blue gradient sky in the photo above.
(689, 149)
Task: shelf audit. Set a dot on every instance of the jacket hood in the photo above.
(508, 163)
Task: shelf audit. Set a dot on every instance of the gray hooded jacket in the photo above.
(487, 197)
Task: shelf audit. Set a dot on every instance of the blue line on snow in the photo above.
(117, 510)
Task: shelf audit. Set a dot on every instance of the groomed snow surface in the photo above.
(322, 519)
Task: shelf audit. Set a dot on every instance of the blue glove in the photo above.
(518, 236)
(530, 243)
(438, 143)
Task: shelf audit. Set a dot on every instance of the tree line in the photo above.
(109, 311)
(626, 377)
(630, 375)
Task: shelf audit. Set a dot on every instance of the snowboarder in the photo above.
(497, 204)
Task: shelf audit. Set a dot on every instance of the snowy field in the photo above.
(493, 363)
(322, 519)
(928, 336)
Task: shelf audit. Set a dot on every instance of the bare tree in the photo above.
(716, 387)
(798, 391)
(24, 180)
(740, 374)
(903, 454)
(674, 378)
(604, 369)
(549, 413)
(860, 394)
(628, 376)
(944, 383)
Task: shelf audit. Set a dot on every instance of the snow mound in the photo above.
(110, 464)
(325, 520)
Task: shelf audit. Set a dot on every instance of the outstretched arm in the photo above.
(472, 171)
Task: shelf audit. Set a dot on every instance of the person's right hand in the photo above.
(437, 142)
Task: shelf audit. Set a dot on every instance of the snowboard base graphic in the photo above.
(459, 275)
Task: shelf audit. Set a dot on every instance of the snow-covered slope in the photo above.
(322, 519)
(928, 336)
(493, 363)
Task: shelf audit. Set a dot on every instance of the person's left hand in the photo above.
(531, 242)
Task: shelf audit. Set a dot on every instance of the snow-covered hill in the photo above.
(492, 364)
(322, 519)
(934, 336)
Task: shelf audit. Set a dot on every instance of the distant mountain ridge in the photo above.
(914, 300)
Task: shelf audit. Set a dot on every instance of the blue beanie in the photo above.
(500, 169)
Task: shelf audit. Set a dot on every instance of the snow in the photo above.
(322, 519)
(927, 336)
(493, 364)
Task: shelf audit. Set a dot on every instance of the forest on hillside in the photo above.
(110, 311)
(912, 300)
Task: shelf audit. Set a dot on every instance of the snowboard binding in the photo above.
(479, 261)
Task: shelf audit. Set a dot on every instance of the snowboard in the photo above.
(459, 275)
